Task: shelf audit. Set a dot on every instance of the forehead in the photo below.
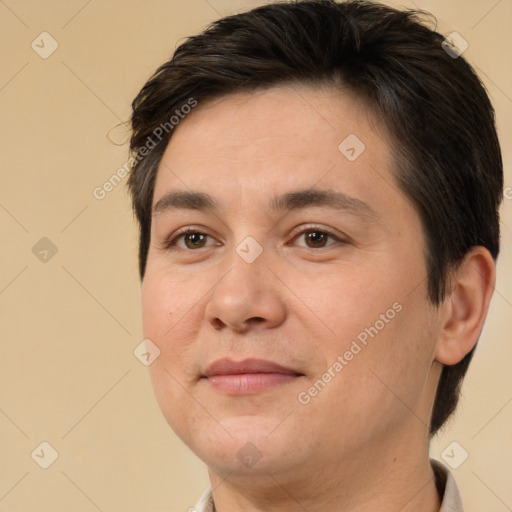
(241, 146)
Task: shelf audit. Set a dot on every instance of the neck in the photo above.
(388, 478)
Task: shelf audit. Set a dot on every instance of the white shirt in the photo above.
(450, 497)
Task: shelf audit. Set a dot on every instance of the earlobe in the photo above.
(465, 307)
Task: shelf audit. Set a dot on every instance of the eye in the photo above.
(190, 239)
(315, 238)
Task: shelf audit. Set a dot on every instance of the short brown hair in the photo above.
(439, 117)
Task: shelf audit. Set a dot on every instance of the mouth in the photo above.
(249, 376)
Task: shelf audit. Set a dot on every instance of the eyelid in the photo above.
(171, 241)
(316, 227)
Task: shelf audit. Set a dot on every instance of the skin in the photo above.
(361, 443)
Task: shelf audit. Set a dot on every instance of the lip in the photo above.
(227, 366)
(249, 376)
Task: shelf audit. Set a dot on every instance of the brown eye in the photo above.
(190, 239)
(316, 238)
(194, 240)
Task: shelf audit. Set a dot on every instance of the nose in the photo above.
(247, 297)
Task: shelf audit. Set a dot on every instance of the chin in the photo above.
(253, 446)
(244, 459)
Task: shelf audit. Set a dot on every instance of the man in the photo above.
(317, 187)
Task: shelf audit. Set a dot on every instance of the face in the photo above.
(286, 287)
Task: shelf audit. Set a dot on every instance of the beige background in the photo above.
(70, 323)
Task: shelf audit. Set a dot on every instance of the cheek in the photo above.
(168, 320)
(394, 364)
(166, 315)
(374, 322)
(168, 299)
(382, 381)
(343, 300)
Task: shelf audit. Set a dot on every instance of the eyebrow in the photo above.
(295, 200)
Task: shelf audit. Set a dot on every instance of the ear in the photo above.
(465, 307)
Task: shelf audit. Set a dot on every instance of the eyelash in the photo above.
(171, 242)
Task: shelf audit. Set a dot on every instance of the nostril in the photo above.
(217, 323)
